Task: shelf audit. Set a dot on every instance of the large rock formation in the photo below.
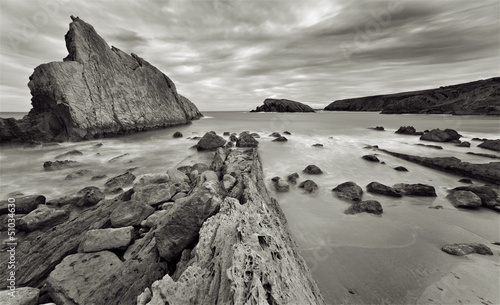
(478, 97)
(97, 91)
(283, 105)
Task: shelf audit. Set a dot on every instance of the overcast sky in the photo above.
(231, 55)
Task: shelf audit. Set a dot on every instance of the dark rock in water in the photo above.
(478, 139)
(349, 191)
(368, 206)
(467, 248)
(23, 205)
(120, 180)
(417, 189)
(275, 134)
(281, 185)
(465, 180)
(57, 165)
(401, 169)
(491, 145)
(97, 91)
(114, 159)
(97, 145)
(283, 105)
(87, 196)
(226, 133)
(233, 138)
(379, 128)
(309, 186)
(379, 188)
(78, 174)
(464, 199)
(177, 134)
(371, 158)
(437, 135)
(317, 145)
(489, 197)
(407, 130)
(246, 140)
(463, 144)
(312, 170)
(436, 207)
(280, 139)
(69, 153)
(98, 177)
(42, 217)
(230, 144)
(489, 172)
(255, 135)
(130, 213)
(483, 155)
(430, 146)
(287, 133)
(210, 141)
(292, 178)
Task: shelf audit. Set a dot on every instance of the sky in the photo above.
(233, 54)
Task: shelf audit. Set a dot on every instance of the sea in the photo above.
(394, 258)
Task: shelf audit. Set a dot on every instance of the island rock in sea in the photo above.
(478, 97)
(97, 91)
(283, 105)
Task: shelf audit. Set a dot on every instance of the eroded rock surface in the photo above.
(467, 248)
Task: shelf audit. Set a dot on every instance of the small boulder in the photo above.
(312, 170)
(280, 139)
(98, 177)
(465, 180)
(154, 194)
(317, 145)
(464, 199)
(120, 181)
(210, 141)
(489, 197)
(401, 169)
(246, 140)
(153, 178)
(106, 239)
(491, 145)
(114, 159)
(461, 249)
(226, 133)
(275, 135)
(379, 128)
(417, 189)
(309, 186)
(368, 206)
(154, 218)
(406, 130)
(78, 174)
(292, 178)
(22, 296)
(200, 167)
(349, 191)
(42, 217)
(69, 153)
(87, 196)
(379, 188)
(178, 195)
(371, 158)
(228, 182)
(233, 137)
(177, 176)
(130, 213)
(281, 185)
(437, 135)
(287, 133)
(463, 144)
(177, 134)
(58, 165)
(23, 205)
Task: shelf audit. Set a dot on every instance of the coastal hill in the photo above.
(283, 105)
(97, 91)
(478, 97)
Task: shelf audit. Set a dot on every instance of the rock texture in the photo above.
(97, 91)
(491, 145)
(23, 296)
(438, 135)
(478, 97)
(283, 105)
(465, 249)
(464, 199)
(349, 191)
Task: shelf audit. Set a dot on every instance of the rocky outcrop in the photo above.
(371, 158)
(491, 145)
(416, 189)
(464, 199)
(467, 248)
(97, 91)
(246, 140)
(312, 170)
(410, 130)
(478, 97)
(309, 186)
(438, 135)
(210, 141)
(280, 185)
(368, 206)
(489, 197)
(349, 191)
(379, 188)
(283, 105)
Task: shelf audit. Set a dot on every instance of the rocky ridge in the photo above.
(282, 105)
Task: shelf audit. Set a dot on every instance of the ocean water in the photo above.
(394, 258)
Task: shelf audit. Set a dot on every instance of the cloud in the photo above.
(231, 55)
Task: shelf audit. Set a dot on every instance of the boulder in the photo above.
(275, 134)
(430, 146)
(317, 145)
(58, 165)
(177, 134)
(96, 91)
(153, 219)
(233, 137)
(255, 135)
(309, 186)
(98, 177)
(117, 158)
(154, 194)
(461, 249)
(407, 130)
(22, 296)
(42, 217)
(281, 185)
(69, 153)
(368, 206)
(246, 140)
(312, 170)
(282, 105)
(228, 182)
(371, 158)
(120, 180)
(491, 145)
(200, 167)
(292, 178)
(130, 213)
(210, 141)
(464, 199)
(489, 197)
(463, 144)
(417, 189)
(465, 180)
(379, 188)
(156, 178)
(379, 128)
(78, 174)
(106, 239)
(280, 139)
(87, 196)
(226, 133)
(437, 135)
(401, 169)
(349, 191)
(4, 220)
(178, 195)
(23, 205)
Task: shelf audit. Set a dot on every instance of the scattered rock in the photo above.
(210, 141)
(23, 205)
(200, 167)
(22, 296)
(78, 174)
(42, 217)
(464, 199)
(489, 197)
(280, 185)
(226, 133)
(114, 159)
(309, 186)
(379, 188)
(312, 170)
(417, 189)
(154, 218)
(436, 207)
(280, 139)
(69, 153)
(120, 181)
(246, 140)
(88, 196)
(401, 169)
(275, 134)
(410, 130)
(58, 165)
(98, 177)
(287, 133)
(465, 180)
(430, 146)
(282, 105)
(379, 128)
(177, 176)
(463, 144)
(437, 135)
(156, 178)
(483, 155)
(467, 248)
(371, 158)
(154, 194)
(97, 145)
(233, 138)
(317, 145)
(106, 239)
(349, 191)
(368, 206)
(177, 134)
(255, 135)
(130, 213)
(228, 182)
(491, 145)
(292, 178)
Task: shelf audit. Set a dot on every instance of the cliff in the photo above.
(97, 91)
(478, 97)
(283, 105)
